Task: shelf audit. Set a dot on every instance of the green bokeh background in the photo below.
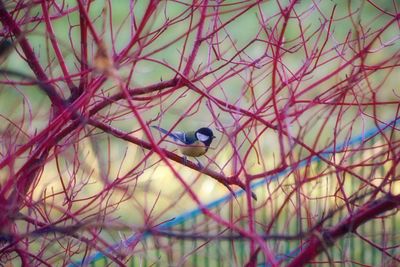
(32, 105)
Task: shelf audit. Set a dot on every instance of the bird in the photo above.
(192, 144)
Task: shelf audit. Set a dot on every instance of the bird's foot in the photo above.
(199, 164)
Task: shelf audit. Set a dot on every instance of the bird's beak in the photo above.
(213, 137)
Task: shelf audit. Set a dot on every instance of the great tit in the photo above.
(192, 144)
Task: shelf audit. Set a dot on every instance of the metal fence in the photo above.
(192, 239)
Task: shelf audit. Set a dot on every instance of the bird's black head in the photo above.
(205, 135)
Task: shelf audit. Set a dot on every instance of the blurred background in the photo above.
(302, 96)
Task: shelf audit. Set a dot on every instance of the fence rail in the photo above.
(193, 239)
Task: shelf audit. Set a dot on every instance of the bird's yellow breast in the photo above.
(196, 149)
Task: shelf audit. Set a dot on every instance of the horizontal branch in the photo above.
(196, 236)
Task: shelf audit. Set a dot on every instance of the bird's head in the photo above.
(205, 135)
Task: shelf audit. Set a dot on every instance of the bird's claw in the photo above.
(199, 164)
(185, 162)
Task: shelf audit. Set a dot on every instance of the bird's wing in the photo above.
(177, 135)
(190, 138)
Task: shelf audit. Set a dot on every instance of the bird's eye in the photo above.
(202, 137)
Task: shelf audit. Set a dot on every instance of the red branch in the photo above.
(321, 240)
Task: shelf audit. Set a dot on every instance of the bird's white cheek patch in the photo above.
(202, 137)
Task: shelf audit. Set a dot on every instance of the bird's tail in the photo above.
(166, 132)
(160, 129)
